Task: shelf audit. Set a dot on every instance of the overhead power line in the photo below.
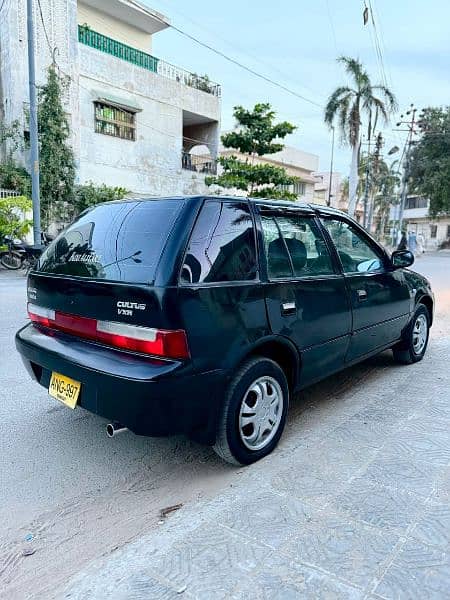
(241, 65)
(333, 31)
(242, 50)
(45, 28)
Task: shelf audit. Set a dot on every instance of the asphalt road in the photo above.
(78, 493)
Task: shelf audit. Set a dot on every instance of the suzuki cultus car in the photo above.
(204, 315)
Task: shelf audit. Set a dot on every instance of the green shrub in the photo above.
(16, 178)
(13, 219)
(89, 195)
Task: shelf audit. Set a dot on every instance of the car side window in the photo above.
(356, 254)
(222, 245)
(294, 247)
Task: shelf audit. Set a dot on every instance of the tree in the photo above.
(385, 183)
(57, 164)
(430, 160)
(383, 180)
(347, 106)
(254, 136)
(13, 219)
(13, 176)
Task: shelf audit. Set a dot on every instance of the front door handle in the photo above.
(362, 295)
(288, 308)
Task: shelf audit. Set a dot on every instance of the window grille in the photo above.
(114, 121)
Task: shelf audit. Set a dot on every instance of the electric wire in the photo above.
(241, 65)
(44, 27)
(333, 31)
(243, 50)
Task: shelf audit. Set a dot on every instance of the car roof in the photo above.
(269, 202)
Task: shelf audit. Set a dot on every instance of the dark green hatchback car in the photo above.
(204, 315)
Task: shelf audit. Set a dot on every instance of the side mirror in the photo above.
(402, 258)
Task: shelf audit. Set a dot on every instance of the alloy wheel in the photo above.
(260, 413)
(420, 334)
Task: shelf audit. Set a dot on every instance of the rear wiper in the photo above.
(132, 256)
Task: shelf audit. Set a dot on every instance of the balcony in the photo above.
(103, 43)
(198, 164)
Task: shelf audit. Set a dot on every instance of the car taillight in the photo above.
(157, 342)
(41, 315)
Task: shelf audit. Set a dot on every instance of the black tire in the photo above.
(407, 352)
(11, 260)
(229, 444)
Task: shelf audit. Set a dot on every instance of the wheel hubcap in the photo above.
(420, 334)
(260, 413)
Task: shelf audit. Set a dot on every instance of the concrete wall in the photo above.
(418, 220)
(152, 163)
(107, 25)
(423, 226)
(322, 186)
(297, 158)
(60, 20)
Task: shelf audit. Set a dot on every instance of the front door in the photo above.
(379, 296)
(306, 296)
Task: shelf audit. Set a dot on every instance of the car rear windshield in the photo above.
(115, 242)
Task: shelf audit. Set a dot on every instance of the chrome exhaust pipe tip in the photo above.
(113, 429)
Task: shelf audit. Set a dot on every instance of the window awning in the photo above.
(117, 102)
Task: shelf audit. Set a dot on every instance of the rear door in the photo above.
(306, 296)
(380, 298)
(219, 295)
(105, 265)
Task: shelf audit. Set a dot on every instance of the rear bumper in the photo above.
(149, 396)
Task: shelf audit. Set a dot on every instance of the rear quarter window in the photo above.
(115, 242)
(222, 246)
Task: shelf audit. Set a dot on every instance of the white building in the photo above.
(416, 218)
(323, 181)
(296, 162)
(134, 118)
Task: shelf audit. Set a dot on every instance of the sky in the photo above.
(296, 43)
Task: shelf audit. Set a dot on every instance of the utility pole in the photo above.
(376, 166)
(34, 147)
(411, 128)
(330, 181)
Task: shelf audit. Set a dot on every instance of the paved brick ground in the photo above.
(355, 502)
(356, 506)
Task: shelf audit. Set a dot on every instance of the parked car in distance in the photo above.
(205, 315)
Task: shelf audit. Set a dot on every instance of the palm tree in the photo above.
(347, 105)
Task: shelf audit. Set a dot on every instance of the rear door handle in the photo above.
(362, 295)
(288, 308)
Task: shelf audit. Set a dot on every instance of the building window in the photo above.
(299, 188)
(118, 122)
(416, 202)
(433, 231)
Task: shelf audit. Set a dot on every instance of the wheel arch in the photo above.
(428, 302)
(283, 352)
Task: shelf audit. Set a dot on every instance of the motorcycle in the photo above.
(16, 254)
(11, 253)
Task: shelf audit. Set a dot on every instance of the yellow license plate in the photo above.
(64, 389)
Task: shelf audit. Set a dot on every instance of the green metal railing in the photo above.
(118, 49)
(101, 42)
